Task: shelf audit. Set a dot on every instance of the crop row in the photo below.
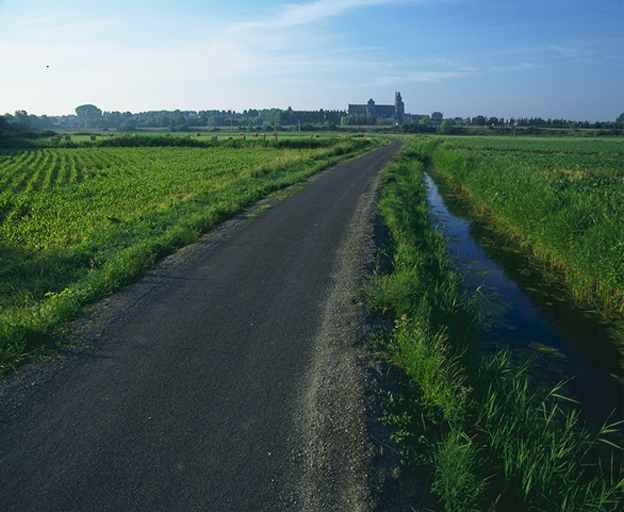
(49, 169)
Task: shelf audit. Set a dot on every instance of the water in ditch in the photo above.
(530, 313)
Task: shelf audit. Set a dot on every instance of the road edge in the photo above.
(338, 453)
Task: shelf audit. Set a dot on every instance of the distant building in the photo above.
(371, 113)
(399, 107)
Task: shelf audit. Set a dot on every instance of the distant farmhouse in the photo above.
(371, 113)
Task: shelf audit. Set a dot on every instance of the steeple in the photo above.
(399, 108)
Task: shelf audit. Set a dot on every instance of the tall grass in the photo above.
(490, 440)
(564, 199)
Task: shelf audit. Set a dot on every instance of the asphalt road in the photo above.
(192, 390)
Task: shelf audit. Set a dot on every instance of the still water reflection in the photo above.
(530, 313)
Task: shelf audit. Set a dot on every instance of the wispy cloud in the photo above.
(520, 66)
(569, 53)
(573, 51)
(273, 34)
(422, 77)
(296, 14)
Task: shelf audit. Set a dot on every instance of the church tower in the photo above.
(399, 108)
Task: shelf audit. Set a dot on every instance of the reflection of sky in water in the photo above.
(530, 318)
(519, 316)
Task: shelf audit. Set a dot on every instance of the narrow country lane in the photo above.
(221, 381)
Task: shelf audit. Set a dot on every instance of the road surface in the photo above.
(224, 380)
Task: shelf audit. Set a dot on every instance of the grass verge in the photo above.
(488, 438)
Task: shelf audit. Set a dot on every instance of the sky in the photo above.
(505, 58)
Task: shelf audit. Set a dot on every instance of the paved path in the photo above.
(197, 394)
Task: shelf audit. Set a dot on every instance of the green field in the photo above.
(77, 223)
(563, 198)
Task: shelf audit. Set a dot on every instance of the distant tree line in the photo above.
(16, 135)
(437, 123)
(90, 117)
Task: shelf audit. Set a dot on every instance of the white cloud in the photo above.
(295, 14)
(520, 66)
(422, 77)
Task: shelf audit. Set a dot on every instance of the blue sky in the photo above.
(549, 58)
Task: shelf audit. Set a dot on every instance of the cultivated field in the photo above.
(564, 198)
(76, 223)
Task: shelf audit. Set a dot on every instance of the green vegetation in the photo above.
(489, 438)
(76, 224)
(562, 198)
(290, 140)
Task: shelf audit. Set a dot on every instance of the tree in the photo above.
(21, 120)
(89, 115)
(424, 123)
(479, 121)
(446, 126)
(620, 120)
(128, 125)
(5, 128)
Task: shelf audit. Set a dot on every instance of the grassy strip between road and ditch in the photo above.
(118, 254)
(487, 437)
